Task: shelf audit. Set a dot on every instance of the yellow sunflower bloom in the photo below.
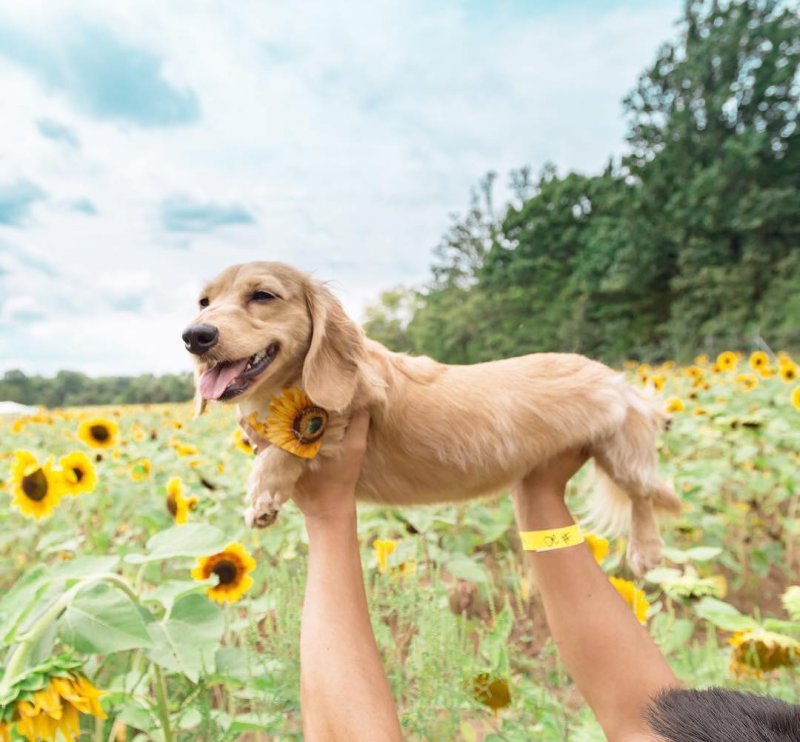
(240, 442)
(675, 404)
(183, 449)
(295, 423)
(756, 651)
(758, 360)
(633, 596)
(727, 361)
(788, 372)
(746, 382)
(232, 568)
(695, 372)
(77, 473)
(140, 470)
(658, 382)
(56, 709)
(99, 432)
(35, 489)
(598, 546)
(766, 372)
(383, 548)
(796, 398)
(178, 505)
(701, 360)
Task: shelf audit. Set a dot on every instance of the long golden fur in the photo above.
(438, 432)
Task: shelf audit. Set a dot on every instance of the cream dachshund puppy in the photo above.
(280, 345)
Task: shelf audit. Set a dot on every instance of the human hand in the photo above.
(329, 492)
(539, 496)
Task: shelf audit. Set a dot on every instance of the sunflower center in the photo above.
(100, 433)
(35, 486)
(225, 571)
(172, 505)
(309, 425)
(77, 473)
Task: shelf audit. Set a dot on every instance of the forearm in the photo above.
(344, 691)
(614, 662)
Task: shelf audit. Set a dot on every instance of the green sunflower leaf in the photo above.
(102, 620)
(190, 540)
(724, 615)
(188, 640)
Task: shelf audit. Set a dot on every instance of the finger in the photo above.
(355, 437)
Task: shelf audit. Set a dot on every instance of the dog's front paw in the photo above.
(263, 511)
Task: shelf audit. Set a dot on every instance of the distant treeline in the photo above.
(69, 388)
(690, 242)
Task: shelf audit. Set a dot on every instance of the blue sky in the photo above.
(146, 145)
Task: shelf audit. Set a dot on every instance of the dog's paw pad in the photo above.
(260, 518)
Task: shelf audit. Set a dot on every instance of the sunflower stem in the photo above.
(163, 708)
(27, 641)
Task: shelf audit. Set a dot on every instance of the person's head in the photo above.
(719, 715)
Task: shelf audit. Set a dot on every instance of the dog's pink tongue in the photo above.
(214, 381)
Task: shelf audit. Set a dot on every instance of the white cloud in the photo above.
(349, 131)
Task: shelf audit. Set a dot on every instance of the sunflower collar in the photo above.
(295, 423)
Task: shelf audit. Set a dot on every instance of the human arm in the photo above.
(344, 691)
(609, 654)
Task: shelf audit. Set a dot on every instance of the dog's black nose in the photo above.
(200, 338)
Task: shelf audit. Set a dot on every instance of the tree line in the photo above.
(68, 388)
(688, 242)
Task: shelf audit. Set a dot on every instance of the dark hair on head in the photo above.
(719, 715)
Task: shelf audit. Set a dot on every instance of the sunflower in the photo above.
(45, 707)
(695, 372)
(727, 360)
(758, 360)
(701, 360)
(598, 546)
(658, 382)
(240, 442)
(788, 372)
(383, 548)
(766, 372)
(77, 473)
(633, 596)
(747, 382)
(178, 505)
(758, 650)
(99, 432)
(232, 567)
(491, 691)
(183, 449)
(796, 398)
(35, 489)
(140, 470)
(295, 423)
(675, 404)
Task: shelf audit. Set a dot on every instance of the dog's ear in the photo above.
(331, 370)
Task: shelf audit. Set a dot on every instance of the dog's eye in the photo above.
(204, 301)
(262, 296)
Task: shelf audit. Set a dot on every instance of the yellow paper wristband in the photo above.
(554, 538)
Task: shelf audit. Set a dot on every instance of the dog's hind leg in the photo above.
(629, 491)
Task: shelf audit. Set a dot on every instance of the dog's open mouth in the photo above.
(228, 379)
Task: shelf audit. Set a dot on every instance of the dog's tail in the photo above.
(608, 506)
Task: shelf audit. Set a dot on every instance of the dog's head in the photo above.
(265, 326)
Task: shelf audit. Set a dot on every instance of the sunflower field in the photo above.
(135, 605)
